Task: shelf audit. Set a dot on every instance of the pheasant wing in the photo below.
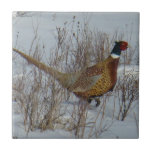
(87, 79)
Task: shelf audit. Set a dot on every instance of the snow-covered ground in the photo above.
(118, 129)
(24, 25)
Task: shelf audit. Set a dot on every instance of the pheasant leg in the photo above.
(89, 100)
(97, 102)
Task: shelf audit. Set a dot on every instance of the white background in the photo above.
(141, 144)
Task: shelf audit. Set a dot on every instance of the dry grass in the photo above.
(127, 90)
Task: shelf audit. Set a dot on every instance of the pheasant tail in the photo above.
(64, 79)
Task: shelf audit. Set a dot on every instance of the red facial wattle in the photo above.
(124, 46)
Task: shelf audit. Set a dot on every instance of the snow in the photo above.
(24, 24)
(118, 129)
(122, 130)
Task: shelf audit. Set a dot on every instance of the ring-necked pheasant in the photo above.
(90, 83)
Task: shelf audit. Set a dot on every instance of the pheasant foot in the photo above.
(97, 100)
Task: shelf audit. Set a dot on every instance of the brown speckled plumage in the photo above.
(102, 83)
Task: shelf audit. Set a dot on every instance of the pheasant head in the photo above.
(119, 46)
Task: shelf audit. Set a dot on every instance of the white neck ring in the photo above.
(115, 56)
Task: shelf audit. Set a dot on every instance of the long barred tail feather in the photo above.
(64, 79)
